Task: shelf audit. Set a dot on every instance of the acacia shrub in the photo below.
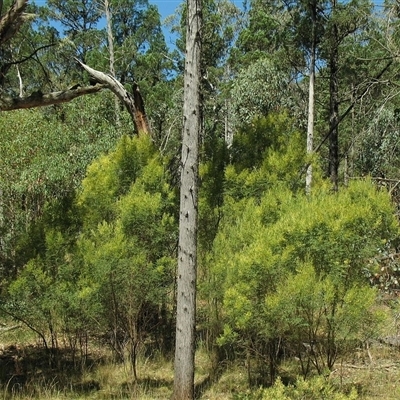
(107, 261)
(128, 245)
(293, 270)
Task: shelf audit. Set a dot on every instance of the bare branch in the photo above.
(38, 99)
(134, 103)
(30, 56)
(344, 115)
(9, 328)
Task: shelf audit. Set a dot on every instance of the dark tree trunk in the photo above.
(12, 20)
(334, 107)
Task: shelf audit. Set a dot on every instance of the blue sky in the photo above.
(167, 8)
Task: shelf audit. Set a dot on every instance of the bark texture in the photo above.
(12, 20)
(134, 103)
(187, 251)
(38, 99)
(334, 107)
(311, 101)
(110, 39)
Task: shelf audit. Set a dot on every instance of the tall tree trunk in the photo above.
(110, 39)
(311, 100)
(187, 251)
(334, 106)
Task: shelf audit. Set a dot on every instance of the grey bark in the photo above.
(12, 20)
(187, 250)
(38, 99)
(311, 100)
(133, 102)
(110, 39)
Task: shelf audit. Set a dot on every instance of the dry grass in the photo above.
(379, 379)
(375, 375)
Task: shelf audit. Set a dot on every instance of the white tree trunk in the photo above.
(110, 39)
(187, 250)
(310, 132)
(311, 102)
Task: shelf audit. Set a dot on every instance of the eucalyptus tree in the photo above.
(311, 91)
(79, 23)
(309, 26)
(263, 32)
(381, 101)
(142, 59)
(81, 39)
(278, 50)
(346, 22)
(25, 54)
(141, 51)
(219, 36)
(188, 214)
(87, 43)
(280, 31)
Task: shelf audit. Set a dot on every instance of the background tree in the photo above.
(30, 44)
(39, 165)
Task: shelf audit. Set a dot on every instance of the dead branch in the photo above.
(30, 56)
(133, 103)
(38, 99)
(9, 328)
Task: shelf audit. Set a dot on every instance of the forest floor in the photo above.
(26, 372)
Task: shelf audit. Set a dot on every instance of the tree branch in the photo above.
(27, 323)
(38, 99)
(9, 328)
(11, 21)
(133, 103)
(344, 115)
(30, 56)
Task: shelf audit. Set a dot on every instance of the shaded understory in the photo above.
(32, 372)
